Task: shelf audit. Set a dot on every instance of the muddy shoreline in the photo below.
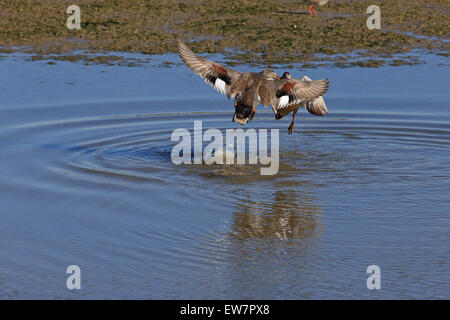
(265, 32)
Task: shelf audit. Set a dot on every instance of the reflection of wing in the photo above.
(291, 214)
(224, 80)
(316, 106)
(288, 92)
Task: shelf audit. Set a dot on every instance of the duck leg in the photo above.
(252, 115)
(291, 126)
(235, 109)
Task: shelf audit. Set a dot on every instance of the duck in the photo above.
(242, 86)
(249, 89)
(315, 106)
(316, 2)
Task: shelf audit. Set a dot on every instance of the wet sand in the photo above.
(257, 32)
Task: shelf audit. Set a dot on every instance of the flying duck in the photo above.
(316, 106)
(249, 88)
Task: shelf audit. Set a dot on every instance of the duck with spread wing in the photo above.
(250, 89)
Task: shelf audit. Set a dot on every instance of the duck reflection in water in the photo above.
(289, 217)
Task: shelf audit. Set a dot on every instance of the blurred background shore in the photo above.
(249, 31)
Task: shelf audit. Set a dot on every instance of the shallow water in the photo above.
(87, 179)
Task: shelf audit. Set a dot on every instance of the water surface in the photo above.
(87, 179)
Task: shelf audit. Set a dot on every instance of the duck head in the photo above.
(269, 74)
(286, 75)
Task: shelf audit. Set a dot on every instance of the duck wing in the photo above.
(286, 93)
(316, 106)
(225, 80)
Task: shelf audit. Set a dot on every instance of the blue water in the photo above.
(87, 180)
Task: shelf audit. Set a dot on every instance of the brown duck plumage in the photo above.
(315, 106)
(251, 88)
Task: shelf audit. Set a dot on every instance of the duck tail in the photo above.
(238, 120)
(243, 113)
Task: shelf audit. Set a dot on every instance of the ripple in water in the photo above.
(107, 184)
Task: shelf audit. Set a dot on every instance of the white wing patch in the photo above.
(305, 78)
(284, 101)
(220, 86)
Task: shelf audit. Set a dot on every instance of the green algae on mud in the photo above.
(248, 31)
